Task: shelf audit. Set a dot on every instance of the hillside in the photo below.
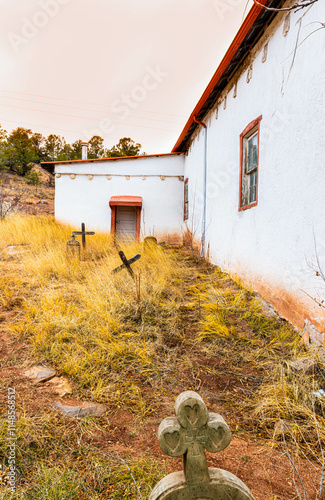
(16, 191)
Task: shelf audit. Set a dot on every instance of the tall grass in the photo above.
(59, 459)
(83, 319)
(285, 405)
(90, 325)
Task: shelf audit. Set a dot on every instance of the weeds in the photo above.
(59, 466)
(125, 343)
(83, 319)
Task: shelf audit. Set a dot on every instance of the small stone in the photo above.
(15, 250)
(282, 428)
(82, 410)
(319, 394)
(317, 338)
(307, 366)
(40, 373)
(61, 386)
(266, 307)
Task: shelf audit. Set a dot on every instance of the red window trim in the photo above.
(114, 202)
(185, 182)
(246, 130)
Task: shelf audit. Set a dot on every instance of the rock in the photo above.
(61, 386)
(82, 410)
(282, 428)
(40, 373)
(307, 366)
(311, 332)
(266, 307)
(14, 250)
(319, 394)
(10, 248)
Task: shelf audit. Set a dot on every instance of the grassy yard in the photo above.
(134, 346)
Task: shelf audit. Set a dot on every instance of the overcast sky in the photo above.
(114, 68)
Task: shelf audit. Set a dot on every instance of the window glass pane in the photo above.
(252, 144)
(252, 187)
(186, 201)
(186, 211)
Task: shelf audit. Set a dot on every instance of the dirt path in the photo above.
(224, 378)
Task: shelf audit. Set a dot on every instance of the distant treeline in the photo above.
(22, 148)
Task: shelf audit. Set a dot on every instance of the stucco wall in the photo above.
(271, 245)
(83, 200)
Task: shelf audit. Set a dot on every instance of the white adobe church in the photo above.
(247, 174)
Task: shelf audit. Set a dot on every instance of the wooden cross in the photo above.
(126, 263)
(83, 234)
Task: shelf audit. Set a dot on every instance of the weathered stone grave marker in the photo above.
(189, 434)
(73, 248)
(83, 233)
(151, 242)
(126, 263)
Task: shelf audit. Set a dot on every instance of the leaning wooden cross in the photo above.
(126, 263)
(193, 431)
(83, 234)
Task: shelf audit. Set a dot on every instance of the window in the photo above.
(249, 155)
(186, 199)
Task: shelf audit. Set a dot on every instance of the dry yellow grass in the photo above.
(89, 325)
(286, 406)
(85, 320)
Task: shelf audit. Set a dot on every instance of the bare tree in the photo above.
(10, 197)
(301, 4)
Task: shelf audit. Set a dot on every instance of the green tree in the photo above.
(53, 147)
(37, 141)
(125, 147)
(66, 153)
(3, 137)
(18, 152)
(96, 147)
(34, 178)
(76, 150)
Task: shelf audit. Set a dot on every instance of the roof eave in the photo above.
(50, 165)
(257, 17)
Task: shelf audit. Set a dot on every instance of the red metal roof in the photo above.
(239, 38)
(125, 201)
(49, 165)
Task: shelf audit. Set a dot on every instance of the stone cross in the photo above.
(126, 263)
(189, 434)
(73, 248)
(83, 234)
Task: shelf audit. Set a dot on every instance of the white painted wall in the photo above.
(83, 200)
(270, 245)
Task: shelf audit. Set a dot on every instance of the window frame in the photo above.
(186, 204)
(244, 175)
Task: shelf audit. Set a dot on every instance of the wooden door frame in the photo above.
(126, 201)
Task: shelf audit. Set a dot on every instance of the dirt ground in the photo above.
(34, 200)
(265, 469)
(262, 465)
